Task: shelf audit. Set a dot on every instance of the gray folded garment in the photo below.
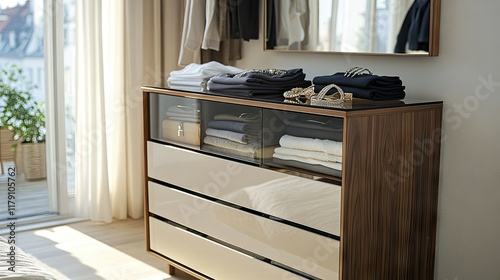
(311, 133)
(250, 148)
(321, 128)
(185, 119)
(230, 135)
(257, 79)
(235, 153)
(258, 83)
(310, 161)
(310, 167)
(183, 113)
(244, 117)
(241, 127)
(183, 110)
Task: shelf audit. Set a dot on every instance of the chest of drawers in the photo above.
(261, 189)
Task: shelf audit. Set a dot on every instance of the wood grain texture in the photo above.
(434, 32)
(390, 195)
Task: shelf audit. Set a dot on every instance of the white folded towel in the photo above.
(311, 144)
(186, 82)
(308, 154)
(196, 75)
(205, 70)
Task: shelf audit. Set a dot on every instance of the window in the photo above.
(44, 50)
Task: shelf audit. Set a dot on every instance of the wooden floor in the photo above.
(90, 250)
(31, 197)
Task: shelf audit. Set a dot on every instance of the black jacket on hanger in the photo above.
(415, 28)
(244, 19)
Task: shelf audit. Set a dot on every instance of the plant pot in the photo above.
(34, 159)
(7, 147)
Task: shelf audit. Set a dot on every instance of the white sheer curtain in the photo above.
(108, 137)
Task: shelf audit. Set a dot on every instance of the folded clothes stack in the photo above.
(259, 82)
(313, 128)
(196, 75)
(183, 113)
(314, 154)
(366, 86)
(234, 135)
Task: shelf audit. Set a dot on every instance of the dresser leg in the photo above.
(171, 270)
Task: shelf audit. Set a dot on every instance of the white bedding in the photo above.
(26, 267)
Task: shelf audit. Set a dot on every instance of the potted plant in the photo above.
(25, 116)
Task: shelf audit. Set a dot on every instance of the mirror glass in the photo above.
(353, 26)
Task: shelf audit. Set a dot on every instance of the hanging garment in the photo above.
(244, 19)
(229, 49)
(211, 37)
(415, 28)
(192, 32)
(271, 36)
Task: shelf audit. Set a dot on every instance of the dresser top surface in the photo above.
(357, 104)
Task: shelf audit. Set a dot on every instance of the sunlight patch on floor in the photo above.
(79, 251)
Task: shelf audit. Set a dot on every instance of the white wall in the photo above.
(468, 238)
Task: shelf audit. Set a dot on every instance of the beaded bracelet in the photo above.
(355, 71)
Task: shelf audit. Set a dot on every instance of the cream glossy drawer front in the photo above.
(300, 200)
(212, 259)
(312, 253)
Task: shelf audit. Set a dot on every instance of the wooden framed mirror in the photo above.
(380, 27)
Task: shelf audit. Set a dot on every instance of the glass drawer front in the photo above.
(306, 142)
(175, 120)
(232, 130)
